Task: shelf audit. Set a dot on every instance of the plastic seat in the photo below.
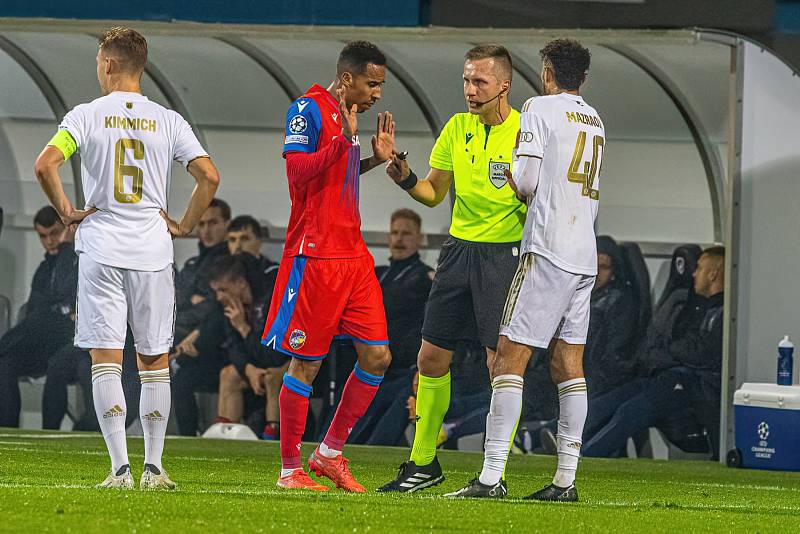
(638, 277)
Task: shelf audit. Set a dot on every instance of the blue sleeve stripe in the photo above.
(372, 380)
(303, 126)
(293, 384)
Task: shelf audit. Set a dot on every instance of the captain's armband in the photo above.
(64, 141)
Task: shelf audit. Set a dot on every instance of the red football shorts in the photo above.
(316, 300)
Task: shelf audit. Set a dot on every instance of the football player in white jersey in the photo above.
(124, 241)
(556, 172)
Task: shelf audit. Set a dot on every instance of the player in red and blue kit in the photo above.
(326, 286)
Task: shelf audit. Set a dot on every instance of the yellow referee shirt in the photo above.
(486, 209)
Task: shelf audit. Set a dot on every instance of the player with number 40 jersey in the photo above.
(556, 172)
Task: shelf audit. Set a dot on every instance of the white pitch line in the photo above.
(48, 486)
(104, 453)
(723, 485)
(67, 435)
(48, 436)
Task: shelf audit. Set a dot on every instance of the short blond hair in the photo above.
(126, 45)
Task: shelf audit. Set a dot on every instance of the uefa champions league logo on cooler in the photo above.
(763, 431)
(762, 450)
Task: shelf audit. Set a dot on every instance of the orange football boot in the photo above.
(336, 470)
(299, 479)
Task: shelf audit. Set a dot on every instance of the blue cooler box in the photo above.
(768, 426)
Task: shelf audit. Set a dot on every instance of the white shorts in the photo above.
(110, 297)
(546, 302)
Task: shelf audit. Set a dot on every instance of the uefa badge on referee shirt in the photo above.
(496, 174)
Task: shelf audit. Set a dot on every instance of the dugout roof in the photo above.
(661, 94)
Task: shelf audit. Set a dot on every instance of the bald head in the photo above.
(709, 277)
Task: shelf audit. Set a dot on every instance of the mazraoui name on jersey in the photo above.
(569, 137)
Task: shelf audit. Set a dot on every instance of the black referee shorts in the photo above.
(469, 292)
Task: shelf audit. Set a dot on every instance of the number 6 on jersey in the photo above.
(121, 170)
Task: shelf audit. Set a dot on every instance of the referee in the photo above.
(478, 260)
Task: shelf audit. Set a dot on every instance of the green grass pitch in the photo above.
(47, 479)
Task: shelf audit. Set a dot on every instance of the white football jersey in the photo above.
(568, 135)
(127, 144)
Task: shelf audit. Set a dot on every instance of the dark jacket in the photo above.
(697, 335)
(193, 278)
(405, 284)
(691, 345)
(608, 358)
(694, 339)
(261, 277)
(55, 282)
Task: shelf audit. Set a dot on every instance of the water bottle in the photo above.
(785, 350)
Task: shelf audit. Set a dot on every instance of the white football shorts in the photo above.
(546, 302)
(110, 297)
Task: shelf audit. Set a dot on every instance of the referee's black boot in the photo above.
(477, 489)
(555, 494)
(412, 477)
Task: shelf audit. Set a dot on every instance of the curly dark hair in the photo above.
(356, 55)
(569, 61)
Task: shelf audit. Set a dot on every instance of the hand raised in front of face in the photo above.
(349, 119)
(383, 140)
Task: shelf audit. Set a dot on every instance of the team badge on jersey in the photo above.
(298, 124)
(496, 174)
(297, 339)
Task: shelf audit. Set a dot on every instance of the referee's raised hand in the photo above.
(349, 120)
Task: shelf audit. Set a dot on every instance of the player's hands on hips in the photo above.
(234, 311)
(173, 226)
(76, 216)
(397, 168)
(349, 119)
(383, 140)
(255, 376)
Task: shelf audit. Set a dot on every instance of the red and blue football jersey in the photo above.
(324, 221)
(326, 286)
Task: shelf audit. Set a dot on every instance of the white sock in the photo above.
(154, 405)
(571, 419)
(110, 407)
(287, 472)
(327, 452)
(503, 417)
